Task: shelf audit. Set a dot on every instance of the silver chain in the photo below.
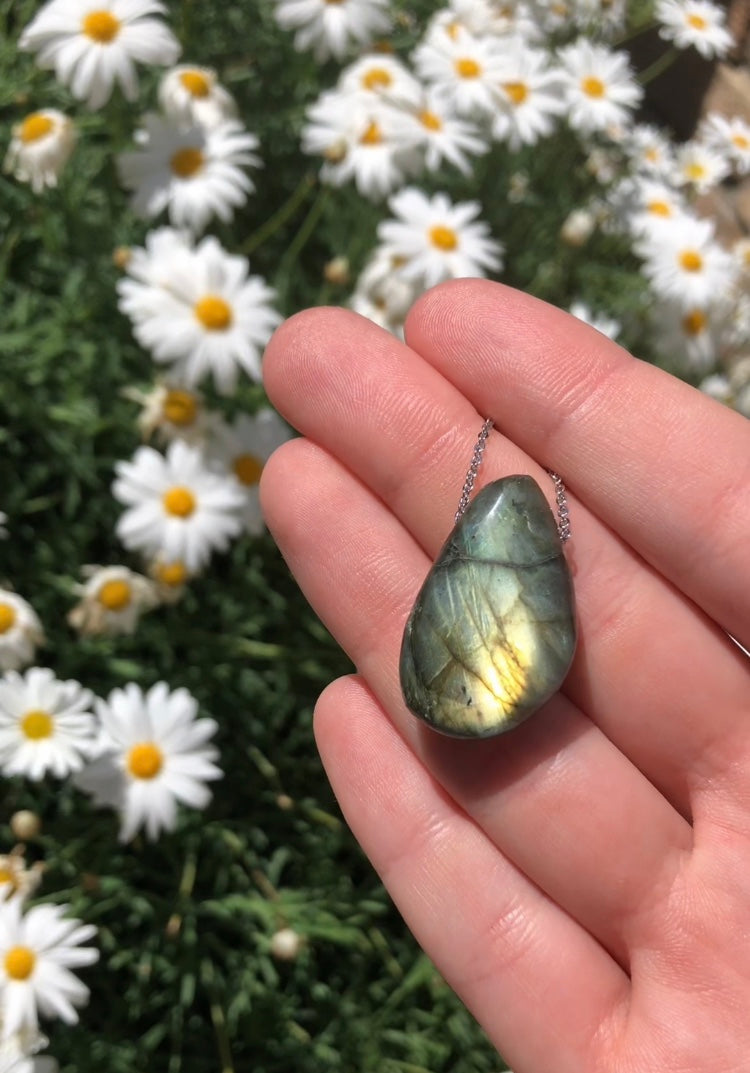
(563, 514)
(561, 499)
(476, 461)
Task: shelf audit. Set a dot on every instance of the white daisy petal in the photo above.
(158, 758)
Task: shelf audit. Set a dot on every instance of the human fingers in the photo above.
(537, 982)
(661, 464)
(407, 432)
(555, 796)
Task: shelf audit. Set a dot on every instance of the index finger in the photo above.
(660, 463)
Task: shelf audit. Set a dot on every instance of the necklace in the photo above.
(492, 632)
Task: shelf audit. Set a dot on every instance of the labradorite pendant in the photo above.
(492, 633)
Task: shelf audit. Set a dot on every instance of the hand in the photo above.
(582, 882)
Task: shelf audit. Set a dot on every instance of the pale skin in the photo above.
(582, 882)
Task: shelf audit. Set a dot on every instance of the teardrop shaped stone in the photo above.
(492, 633)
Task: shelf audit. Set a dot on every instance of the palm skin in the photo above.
(582, 882)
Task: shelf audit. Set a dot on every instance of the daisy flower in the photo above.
(193, 172)
(16, 880)
(699, 24)
(177, 508)
(45, 725)
(382, 294)
(729, 137)
(649, 206)
(20, 631)
(483, 17)
(599, 86)
(193, 95)
(530, 98)
(112, 600)
(242, 449)
(437, 240)
(170, 579)
(38, 948)
(172, 412)
(689, 337)
(154, 754)
(330, 29)
(685, 264)
(601, 16)
(368, 142)
(205, 316)
(91, 44)
(699, 167)
(467, 70)
(381, 77)
(606, 325)
(18, 1054)
(442, 136)
(648, 150)
(40, 148)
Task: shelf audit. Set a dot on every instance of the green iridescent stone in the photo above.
(492, 633)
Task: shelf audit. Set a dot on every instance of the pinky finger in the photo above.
(543, 989)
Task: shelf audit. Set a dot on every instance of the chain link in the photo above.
(563, 514)
(471, 476)
(561, 499)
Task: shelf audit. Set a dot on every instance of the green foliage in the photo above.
(186, 982)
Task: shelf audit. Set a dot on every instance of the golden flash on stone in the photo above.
(492, 633)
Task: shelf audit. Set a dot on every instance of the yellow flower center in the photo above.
(453, 29)
(651, 154)
(741, 141)
(593, 87)
(6, 876)
(467, 68)
(694, 172)
(376, 78)
(517, 91)
(37, 724)
(196, 83)
(34, 127)
(445, 238)
(372, 136)
(145, 760)
(697, 22)
(247, 469)
(691, 260)
(186, 162)
(430, 120)
(19, 962)
(172, 574)
(180, 407)
(694, 322)
(7, 617)
(101, 26)
(115, 595)
(214, 313)
(179, 502)
(659, 208)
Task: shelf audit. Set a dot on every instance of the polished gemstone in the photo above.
(492, 633)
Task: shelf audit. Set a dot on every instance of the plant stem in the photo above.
(218, 1019)
(658, 66)
(280, 217)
